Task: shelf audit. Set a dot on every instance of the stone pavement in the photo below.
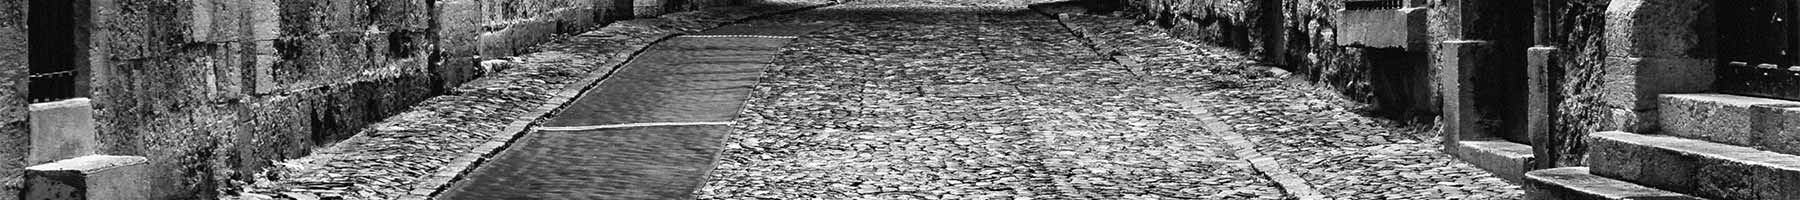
(966, 100)
(650, 131)
(925, 99)
(987, 100)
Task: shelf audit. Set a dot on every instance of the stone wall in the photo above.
(1301, 36)
(14, 137)
(212, 91)
(1576, 28)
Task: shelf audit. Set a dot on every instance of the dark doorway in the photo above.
(59, 38)
(1758, 43)
(1502, 90)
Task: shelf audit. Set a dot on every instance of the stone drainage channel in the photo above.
(652, 131)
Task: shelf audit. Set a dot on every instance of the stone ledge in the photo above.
(1505, 159)
(1731, 119)
(1696, 167)
(90, 177)
(1574, 183)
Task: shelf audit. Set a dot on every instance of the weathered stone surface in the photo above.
(1539, 104)
(1700, 168)
(1458, 62)
(1574, 183)
(1659, 28)
(1656, 47)
(458, 22)
(62, 130)
(95, 177)
(1310, 38)
(1723, 118)
(1383, 28)
(1507, 160)
(14, 58)
(1576, 29)
(1633, 83)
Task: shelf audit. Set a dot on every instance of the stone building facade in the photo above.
(1575, 99)
(14, 137)
(211, 91)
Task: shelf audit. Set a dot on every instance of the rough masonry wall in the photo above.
(212, 91)
(1578, 32)
(1301, 36)
(14, 137)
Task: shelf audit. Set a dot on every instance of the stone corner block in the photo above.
(1658, 28)
(98, 177)
(1632, 82)
(62, 130)
(1403, 28)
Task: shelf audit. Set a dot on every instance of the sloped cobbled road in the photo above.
(964, 100)
(986, 99)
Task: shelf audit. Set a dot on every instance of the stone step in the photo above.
(1768, 124)
(1574, 183)
(1694, 167)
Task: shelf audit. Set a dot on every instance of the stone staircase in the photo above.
(1710, 146)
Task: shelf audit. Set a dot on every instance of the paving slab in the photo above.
(650, 131)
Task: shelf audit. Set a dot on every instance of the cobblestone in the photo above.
(1307, 127)
(909, 100)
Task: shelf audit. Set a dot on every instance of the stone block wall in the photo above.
(14, 138)
(1302, 36)
(1614, 56)
(212, 91)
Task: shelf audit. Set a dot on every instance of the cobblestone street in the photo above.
(991, 100)
(900, 99)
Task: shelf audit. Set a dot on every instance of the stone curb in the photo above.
(461, 166)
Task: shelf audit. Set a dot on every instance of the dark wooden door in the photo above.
(1757, 48)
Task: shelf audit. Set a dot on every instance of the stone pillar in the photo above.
(96, 177)
(14, 60)
(1458, 63)
(1654, 47)
(1542, 86)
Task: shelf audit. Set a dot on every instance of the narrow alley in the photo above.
(898, 99)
